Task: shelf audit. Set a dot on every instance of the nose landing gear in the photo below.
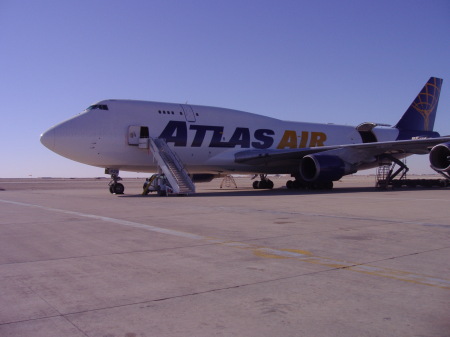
(114, 186)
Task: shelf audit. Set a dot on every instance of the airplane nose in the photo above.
(48, 139)
(76, 138)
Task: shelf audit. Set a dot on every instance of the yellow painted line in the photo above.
(402, 276)
(365, 269)
(266, 252)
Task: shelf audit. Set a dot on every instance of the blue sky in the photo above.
(344, 62)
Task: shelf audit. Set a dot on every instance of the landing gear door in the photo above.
(134, 134)
(188, 112)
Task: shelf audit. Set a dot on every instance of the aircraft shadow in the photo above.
(207, 193)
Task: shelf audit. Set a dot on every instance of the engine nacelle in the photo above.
(440, 157)
(323, 167)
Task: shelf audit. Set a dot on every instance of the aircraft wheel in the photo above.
(299, 185)
(117, 188)
(265, 184)
(328, 185)
(256, 184)
(111, 190)
(316, 186)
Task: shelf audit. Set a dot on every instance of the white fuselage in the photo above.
(205, 138)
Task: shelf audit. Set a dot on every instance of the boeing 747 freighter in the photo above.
(189, 143)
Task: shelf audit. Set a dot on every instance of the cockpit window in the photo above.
(98, 106)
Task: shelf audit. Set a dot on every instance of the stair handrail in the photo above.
(164, 148)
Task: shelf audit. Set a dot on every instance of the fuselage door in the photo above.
(133, 134)
(366, 133)
(188, 112)
(138, 135)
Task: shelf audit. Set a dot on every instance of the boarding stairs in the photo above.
(383, 176)
(386, 175)
(172, 167)
(393, 167)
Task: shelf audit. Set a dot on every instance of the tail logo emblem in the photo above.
(426, 101)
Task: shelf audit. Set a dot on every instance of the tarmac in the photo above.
(354, 261)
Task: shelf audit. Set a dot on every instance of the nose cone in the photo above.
(48, 139)
(76, 138)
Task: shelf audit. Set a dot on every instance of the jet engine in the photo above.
(323, 167)
(440, 157)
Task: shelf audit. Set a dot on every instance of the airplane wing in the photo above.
(351, 153)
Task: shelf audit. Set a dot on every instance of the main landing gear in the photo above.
(114, 186)
(264, 183)
(296, 184)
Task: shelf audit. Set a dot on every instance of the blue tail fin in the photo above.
(421, 113)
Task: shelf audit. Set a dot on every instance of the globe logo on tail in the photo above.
(426, 102)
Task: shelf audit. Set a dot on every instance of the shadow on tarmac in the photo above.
(267, 193)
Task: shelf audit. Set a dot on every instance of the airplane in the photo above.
(192, 143)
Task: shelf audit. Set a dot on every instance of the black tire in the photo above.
(328, 185)
(256, 184)
(264, 185)
(443, 183)
(299, 185)
(118, 188)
